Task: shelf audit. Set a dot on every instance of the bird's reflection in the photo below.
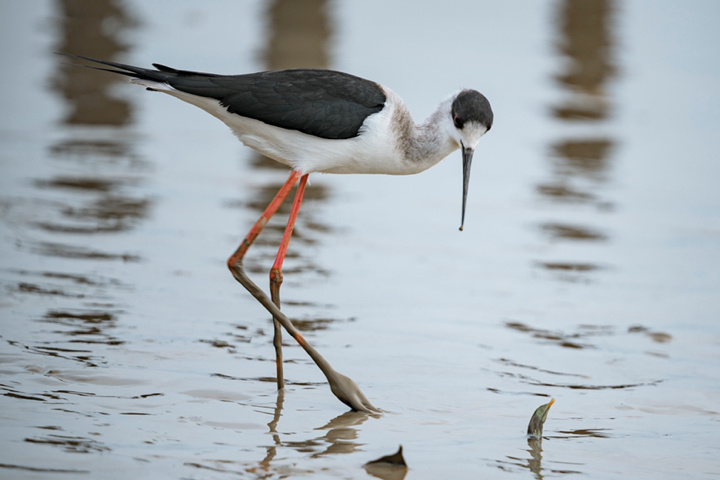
(277, 413)
(339, 435)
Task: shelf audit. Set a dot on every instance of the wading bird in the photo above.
(320, 121)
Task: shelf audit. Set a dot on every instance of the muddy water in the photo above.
(587, 271)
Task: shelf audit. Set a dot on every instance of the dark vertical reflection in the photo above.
(299, 32)
(581, 164)
(534, 463)
(103, 204)
(93, 29)
(586, 42)
(89, 186)
(585, 45)
(298, 36)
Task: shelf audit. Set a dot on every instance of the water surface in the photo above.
(588, 270)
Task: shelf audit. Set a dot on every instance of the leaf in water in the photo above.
(535, 427)
(396, 459)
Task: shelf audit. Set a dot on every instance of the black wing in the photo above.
(323, 103)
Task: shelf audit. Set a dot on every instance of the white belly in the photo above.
(374, 150)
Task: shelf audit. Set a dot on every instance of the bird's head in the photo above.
(472, 117)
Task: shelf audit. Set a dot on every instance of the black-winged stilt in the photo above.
(321, 121)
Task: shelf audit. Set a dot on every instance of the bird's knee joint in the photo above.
(235, 265)
(276, 276)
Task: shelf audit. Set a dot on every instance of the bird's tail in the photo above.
(154, 79)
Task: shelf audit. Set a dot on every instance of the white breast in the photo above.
(374, 150)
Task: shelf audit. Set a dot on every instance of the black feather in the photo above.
(323, 103)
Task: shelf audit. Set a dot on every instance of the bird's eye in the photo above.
(457, 121)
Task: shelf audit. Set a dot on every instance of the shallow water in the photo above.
(588, 270)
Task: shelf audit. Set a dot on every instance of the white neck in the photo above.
(425, 144)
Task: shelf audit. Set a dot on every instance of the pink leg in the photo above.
(266, 215)
(235, 260)
(341, 386)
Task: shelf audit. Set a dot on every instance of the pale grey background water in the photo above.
(588, 271)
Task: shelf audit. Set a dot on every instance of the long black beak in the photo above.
(467, 156)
